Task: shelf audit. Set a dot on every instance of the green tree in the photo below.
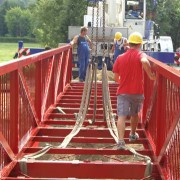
(52, 19)
(73, 15)
(168, 18)
(47, 21)
(167, 15)
(18, 21)
(4, 7)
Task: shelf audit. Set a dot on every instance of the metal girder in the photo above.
(76, 110)
(72, 116)
(78, 169)
(86, 123)
(86, 151)
(95, 132)
(86, 140)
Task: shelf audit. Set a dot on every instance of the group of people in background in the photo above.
(129, 62)
(84, 46)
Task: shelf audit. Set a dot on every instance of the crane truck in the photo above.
(125, 16)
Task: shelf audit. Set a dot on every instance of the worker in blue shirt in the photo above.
(83, 51)
(119, 47)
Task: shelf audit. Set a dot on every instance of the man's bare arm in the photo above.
(89, 41)
(74, 41)
(147, 68)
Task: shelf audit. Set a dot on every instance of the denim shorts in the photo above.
(129, 104)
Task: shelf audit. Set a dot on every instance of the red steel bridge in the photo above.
(34, 88)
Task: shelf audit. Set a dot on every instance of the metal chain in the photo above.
(97, 30)
(92, 31)
(95, 65)
(103, 30)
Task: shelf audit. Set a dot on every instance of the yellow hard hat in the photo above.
(135, 38)
(118, 36)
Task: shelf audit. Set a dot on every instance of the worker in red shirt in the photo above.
(128, 69)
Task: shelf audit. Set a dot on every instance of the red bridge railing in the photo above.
(28, 88)
(161, 117)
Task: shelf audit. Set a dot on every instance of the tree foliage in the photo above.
(4, 7)
(47, 19)
(167, 14)
(168, 18)
(18, 21)
(52, 19)
(73, 15)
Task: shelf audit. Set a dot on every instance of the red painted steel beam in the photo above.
(14, 110)
(165, 70)
(31, 104)
(79, 93)
(25, 61)
(71, 116)
(47, 85)
(99, 90)
(86, 123)
(76, 110)
(38, 89)
(99, 84)
(58, 76)
(77, 100)
(6, 147)
(95, 132)
(9, 168)
(72, 122)
(89, 151)
(77, 105)
(68, 122)
(31, 178)
(72, 97)
(169, 136)
(86, 140)
(76, 169)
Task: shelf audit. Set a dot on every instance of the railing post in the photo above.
(62, 77)
(14, 110)
(160, 113)
(145, 104)
(38, 89)
(69, 73)
(52, 83)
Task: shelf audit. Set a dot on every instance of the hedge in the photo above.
(16, 39)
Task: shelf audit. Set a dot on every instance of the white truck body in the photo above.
(119, 17)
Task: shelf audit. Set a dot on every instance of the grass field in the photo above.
(7, 50)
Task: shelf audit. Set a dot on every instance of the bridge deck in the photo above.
(91, 154)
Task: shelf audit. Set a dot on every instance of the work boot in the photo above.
(121, 145)
(133, 137)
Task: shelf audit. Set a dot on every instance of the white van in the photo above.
(165, 44)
